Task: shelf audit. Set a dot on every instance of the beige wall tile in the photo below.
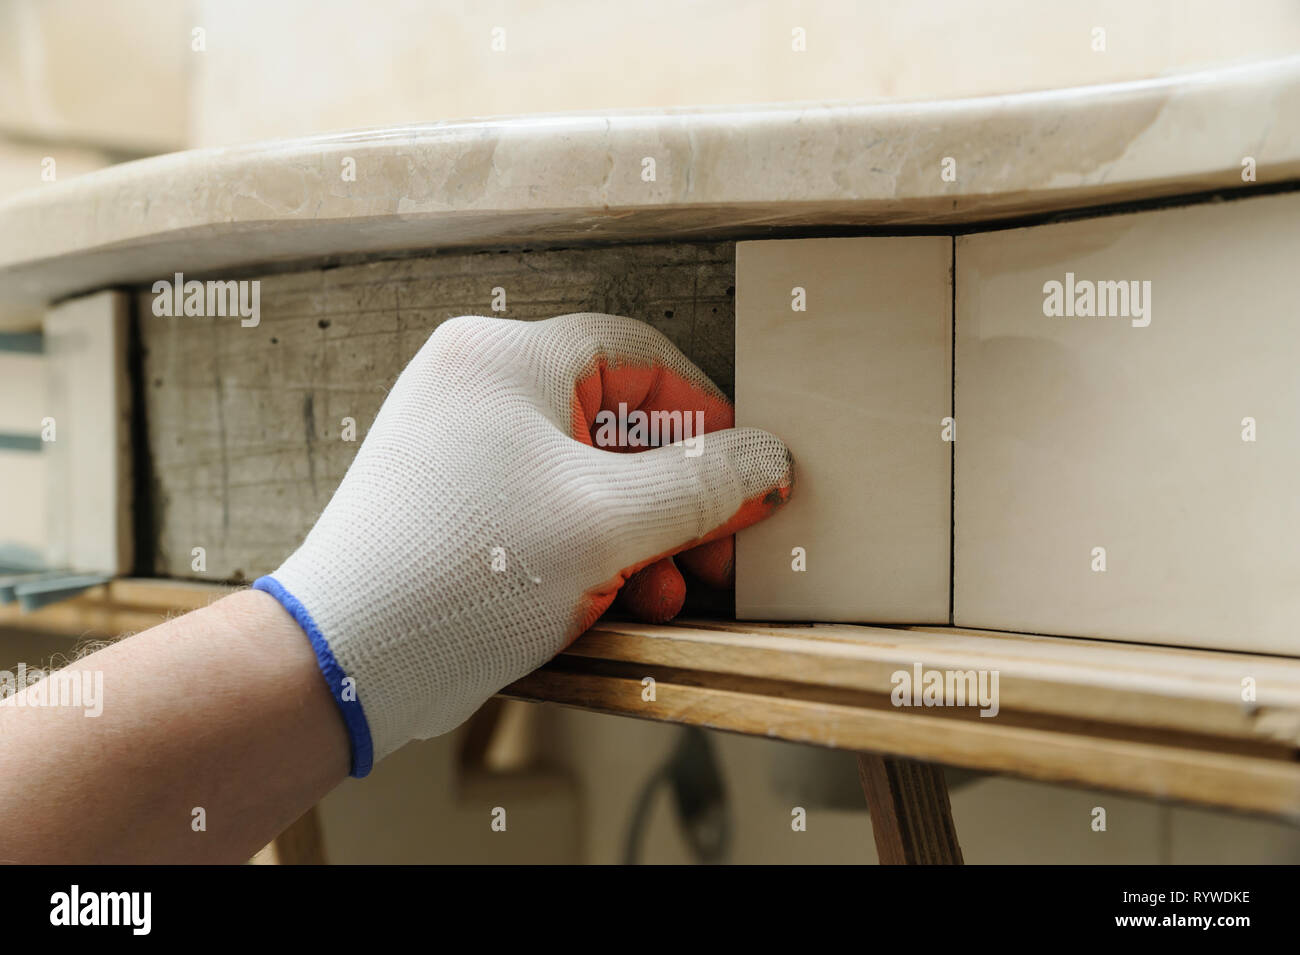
(114, 75)
(25, 165)
(857, 385)
(316, 66)
(1077, 433)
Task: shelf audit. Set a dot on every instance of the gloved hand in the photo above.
(479, 529)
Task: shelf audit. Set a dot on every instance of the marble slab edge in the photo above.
(717, 173)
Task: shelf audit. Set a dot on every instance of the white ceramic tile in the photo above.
(857, 385)
(1077, 433)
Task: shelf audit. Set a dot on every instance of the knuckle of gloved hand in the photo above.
(457, 334)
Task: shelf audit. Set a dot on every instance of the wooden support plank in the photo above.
(1180, 770)
(115, 609)
(1156, 688)
(1157, 721)
(911, 817)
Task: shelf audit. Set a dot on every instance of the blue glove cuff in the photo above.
(347, 698)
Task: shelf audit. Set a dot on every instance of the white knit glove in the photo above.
(479, 531)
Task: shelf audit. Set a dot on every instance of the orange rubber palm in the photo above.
(657, 386)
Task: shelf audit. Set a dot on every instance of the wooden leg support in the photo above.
(910, 813)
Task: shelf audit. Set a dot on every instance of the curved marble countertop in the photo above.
(718, 173)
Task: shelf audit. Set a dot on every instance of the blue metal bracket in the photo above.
(20, 442)
(34, 594)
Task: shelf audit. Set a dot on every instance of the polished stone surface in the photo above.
(717, 173)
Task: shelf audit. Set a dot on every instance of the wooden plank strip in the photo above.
(118, 608)
(1246, 782)
(1071, 710)
(911, 817)
(1184, 690)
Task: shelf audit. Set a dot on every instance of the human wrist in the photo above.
(266, 645)
(287, 609)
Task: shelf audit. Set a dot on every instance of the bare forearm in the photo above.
(222, 710)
